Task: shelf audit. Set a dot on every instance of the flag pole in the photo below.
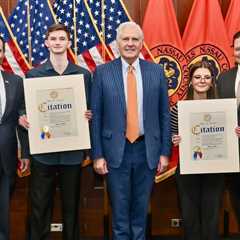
(29, 33)
(144, 44)
(103, 30)
(75, 31)
(97, 29)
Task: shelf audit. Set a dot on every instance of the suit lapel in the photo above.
(8, 95)
(145, 83)
(118, 79)
(232, 81)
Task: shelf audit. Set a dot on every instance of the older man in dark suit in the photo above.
(130, 131)
(228, 85)
(11, 98)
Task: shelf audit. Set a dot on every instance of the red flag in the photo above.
(166, 46)
(205, 35)
(161, 34)
(160, 27)
(232, 20)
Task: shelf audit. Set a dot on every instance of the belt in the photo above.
(139, 139)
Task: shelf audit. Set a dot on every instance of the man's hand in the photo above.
(24, 165)
(162, 164)
(100, 166)
(88, 115)
(22, 121)
(237, 131)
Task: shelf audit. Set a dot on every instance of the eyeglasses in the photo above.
(199, 77)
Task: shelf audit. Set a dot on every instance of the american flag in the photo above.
(115, 13)
(32, 26)
(86, 41)
(14, 60)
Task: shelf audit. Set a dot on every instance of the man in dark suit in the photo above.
(228, 85)
(130, 131)
(11, 98)
(67, 165)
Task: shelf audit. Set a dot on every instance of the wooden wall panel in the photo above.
(183, 9)
(19, 210)
(224, 6)
(5, 6)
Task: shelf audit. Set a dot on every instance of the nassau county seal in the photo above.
(208, 52)
(174, 64)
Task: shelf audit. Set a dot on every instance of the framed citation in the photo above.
(208, 140)
(55, 109)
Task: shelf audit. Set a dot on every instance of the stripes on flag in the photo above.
(29, 22)
(90, 48)
(115, 13)
(14, 60)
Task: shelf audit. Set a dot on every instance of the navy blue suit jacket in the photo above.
(9, 123)
(226, 85)
(109, 113)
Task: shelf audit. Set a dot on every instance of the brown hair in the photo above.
(212, 92)
(235, 36)
(57, 27)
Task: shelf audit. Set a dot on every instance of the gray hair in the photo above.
(128, 24)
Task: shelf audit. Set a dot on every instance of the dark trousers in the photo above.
(233, 180)
(6, 188)
(129, 188)
(42, 191)
(200, 198)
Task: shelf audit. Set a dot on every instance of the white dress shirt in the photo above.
(2, 95)
(138, 75)
(237, 81)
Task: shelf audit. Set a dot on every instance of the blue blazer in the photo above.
(109, 113)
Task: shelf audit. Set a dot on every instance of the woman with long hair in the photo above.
(200, 195)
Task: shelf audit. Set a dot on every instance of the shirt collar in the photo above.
(48, 65)
(238, 68)
(1, 77)
(71, 68)
(125, 64)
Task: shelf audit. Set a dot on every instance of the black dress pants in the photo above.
(6, 188)
(42, 191)
(200, 197)
(233, 181)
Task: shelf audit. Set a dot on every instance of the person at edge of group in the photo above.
(67, 165)
(228, 85)
(11, 100)
(200, 195)
(130, 130)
